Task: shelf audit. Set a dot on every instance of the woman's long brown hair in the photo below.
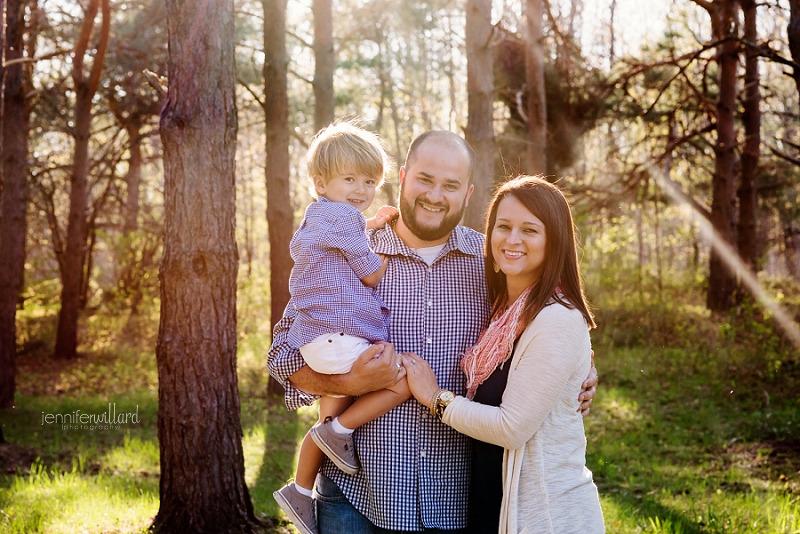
(547, 203)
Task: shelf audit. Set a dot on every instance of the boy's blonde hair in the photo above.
(344, 146)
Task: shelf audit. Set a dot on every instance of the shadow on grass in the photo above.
(283, 432)
(655, 515)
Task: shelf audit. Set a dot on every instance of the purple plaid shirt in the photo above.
(414, 469)
(331, 254)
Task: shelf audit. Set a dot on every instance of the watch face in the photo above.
(447, 397)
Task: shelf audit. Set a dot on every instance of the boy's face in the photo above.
(350, 187)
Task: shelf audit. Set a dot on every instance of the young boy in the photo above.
(339, 314)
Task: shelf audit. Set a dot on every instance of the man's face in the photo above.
(435, 190)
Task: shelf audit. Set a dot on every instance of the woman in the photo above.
(529, 363)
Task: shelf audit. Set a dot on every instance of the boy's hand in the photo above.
(375, 278)
(384, 215)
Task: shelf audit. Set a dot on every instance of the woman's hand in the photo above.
(421, 380)
(588, 390)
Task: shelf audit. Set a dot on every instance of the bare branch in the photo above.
(705, 4)
(35, 59)
(83, 41)
(156, 82)
(252, 93)
(787, 157)
(302, 41)
(102, 48)
(300, 76)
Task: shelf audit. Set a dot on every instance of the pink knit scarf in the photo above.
(495, 345)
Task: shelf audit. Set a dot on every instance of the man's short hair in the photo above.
(444, 137)
(344, 146)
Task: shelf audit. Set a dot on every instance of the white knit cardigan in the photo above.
(546, 486)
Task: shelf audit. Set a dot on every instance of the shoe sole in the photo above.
(289, 511)
(341, 464)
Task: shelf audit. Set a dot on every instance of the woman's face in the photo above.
(518, 244)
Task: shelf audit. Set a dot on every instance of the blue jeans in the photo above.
(335, 514)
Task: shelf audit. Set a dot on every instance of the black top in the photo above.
(486, 485)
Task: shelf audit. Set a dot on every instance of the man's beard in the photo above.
(425, 233)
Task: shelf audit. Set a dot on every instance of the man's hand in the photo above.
(589, 390)
(378, 367)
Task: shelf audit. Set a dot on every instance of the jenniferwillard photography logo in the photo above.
(78, 420)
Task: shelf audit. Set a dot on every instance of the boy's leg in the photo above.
(375, 404)
(310, 459)
(295, 499)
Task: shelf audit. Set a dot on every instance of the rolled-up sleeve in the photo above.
(284, 360)
(349, 237)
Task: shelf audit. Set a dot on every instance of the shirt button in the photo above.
(430, 303)
(430, 270)
(429, 341)
(422, 454)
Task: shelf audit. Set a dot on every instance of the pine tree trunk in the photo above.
(537, 101)
(280, 218)
(202, 487)
(324, 63)
(75, 250)
(721, 281)
(133, 179)
(480, 100)
(793, 33)
(127, 255)
(13, 195)
(748, 200)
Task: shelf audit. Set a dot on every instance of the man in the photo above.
(414, 470)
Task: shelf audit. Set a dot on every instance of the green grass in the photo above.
(685, 443)
(680, 440)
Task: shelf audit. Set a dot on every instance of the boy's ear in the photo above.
(319, 184)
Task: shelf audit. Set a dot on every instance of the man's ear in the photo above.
(402, 175)
(469, 194)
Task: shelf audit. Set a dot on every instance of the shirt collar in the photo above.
(386, 241)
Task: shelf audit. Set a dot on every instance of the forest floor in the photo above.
(678, 441)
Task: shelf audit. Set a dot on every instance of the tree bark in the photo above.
(202, 486)
(793, 32)
(480, 103)
(324, 63)
(280, 217)
(13, 193)
(133, 179)
(127, 256)
(748, 199)
(75, 252)
(537, 100)
(721, 280)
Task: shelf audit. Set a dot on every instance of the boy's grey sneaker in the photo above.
(298, 507)
(337, 447)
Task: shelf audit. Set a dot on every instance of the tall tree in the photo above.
(77, 228)
(748, 199)
(480, 99)
(140, 46)
(724, 29)
(324, 63)
(14, 117)
(537, 101)
(280, 218)
(202, 486)
(793, 33)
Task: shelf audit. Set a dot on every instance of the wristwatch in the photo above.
(440, 401)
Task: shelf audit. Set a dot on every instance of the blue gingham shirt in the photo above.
(414, 469)
(331, 254)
